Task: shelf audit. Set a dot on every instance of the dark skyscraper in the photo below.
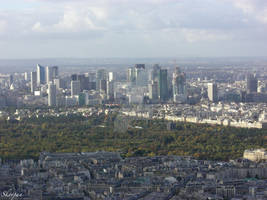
(252, 83)
(163, 84)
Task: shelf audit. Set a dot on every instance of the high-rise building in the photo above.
(103, 86)
(52, 95)
(11, 80)
(137, 75)
(141, 78)
(163, 84)
(48, 74)
(33, 81)
(212, 92)
(110, 90)
(111, 76)
(74, 77)
(179, 86)
(26, 76)
(84, 82)
(131, 75)
(154, 73)
(252, 83)
(153, 91)
(75, 88)
(55, 72)
(101, 74)
(40, 75)
(60, 83)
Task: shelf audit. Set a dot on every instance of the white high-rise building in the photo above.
(40, 75)
(52, 95)
(75, 88)
(48, 74)
(33, 81)
(212, 92)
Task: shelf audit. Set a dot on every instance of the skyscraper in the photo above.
(154, 73)
(75, 88)
(252, 83)
(131, 75)
(153, 91)
(55, 72)
(163, 84)
(110, 90)
(48, 74)
(52, 95)
(33, 81)
(141, 77)
(40, 75)
(212, 92)
(84, 82)
(179, 86)
(101, 74)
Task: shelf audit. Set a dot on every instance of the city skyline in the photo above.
(150, 28)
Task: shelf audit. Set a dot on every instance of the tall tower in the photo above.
(179, 86)
(212, 92)
(55, 72)
(154, 73)
(252, 83)
(49, 74)
(52, 95)
(40, 75)
(153, 91)
(75, 88)
(101, 74)
(33, 81)
(163, 84)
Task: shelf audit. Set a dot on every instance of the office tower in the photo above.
(26, 76)
(33, 81)
(139, 66)
(74, 77)
(141, 78)
(92, 86)
(60, 83)
(40, 75)
(252, 83)
(153, 91)
(103, 86)
(55, 72)
(84, 82)
(131, 75)
(212, 92)
(110, 90)
(111, 76)
(154, 73)
(52, 95)
(101, 74)
(163, 84)
(11, 79)
(49, 74)
(75, 88)
(179, 86)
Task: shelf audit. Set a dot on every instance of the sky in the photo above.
(132, 28)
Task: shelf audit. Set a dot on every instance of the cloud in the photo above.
(148, 24)
(195, 35)
(255, 8)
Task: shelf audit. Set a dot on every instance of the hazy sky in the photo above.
(132, 28)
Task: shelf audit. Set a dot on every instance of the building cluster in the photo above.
(105, 175)
(245, 115)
